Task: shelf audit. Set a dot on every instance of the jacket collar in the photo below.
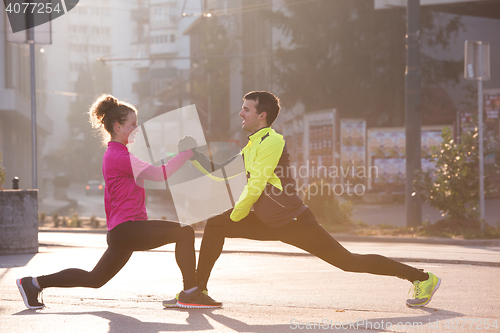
(117, 145)
(259, 133)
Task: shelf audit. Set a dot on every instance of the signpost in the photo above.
(36, 35)
(413, 117)
(477, 67)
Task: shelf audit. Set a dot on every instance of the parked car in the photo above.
(94, 187)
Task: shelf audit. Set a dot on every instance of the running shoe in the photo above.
(197, 300)
(423, 291)
(171, 303)
(29, 293)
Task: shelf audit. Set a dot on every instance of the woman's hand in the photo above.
(186, 143)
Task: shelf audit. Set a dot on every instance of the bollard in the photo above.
(15, 183)
(18, 222)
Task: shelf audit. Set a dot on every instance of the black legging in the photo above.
(304, 233)
(122, 241)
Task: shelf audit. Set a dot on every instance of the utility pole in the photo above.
(31, 43)
(477, 67)
(413, 119)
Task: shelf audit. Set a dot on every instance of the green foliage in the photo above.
(333, 214)
(56, 220)
(343, 49)
(2, 173)
(84, 146)
(210, 83)
(41, 218)
(94, 221)
(75, 221)
(453, 186)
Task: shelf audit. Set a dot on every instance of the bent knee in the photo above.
(97, 283)
(187, 230)
(216, 221)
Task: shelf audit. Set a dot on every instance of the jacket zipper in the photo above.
(273, 200)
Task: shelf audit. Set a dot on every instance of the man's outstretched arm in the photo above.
(263, 169)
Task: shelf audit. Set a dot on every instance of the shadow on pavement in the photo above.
(197, 321)
(15, 260)
(435, 319)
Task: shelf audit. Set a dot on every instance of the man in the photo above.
(279, 214)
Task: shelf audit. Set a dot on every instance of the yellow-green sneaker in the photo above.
(423, 291)
(171, 303)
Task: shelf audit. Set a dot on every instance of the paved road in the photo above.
(265, 287)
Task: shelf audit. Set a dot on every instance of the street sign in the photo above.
(477, 60)
(43, 34)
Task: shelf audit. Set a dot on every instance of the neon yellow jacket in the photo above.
(270, 190)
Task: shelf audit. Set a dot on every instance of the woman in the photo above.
(129, 229)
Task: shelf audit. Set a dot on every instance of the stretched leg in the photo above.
(308, 235)
(217, 229)
(110, 263)
(150, 234)
(123, 240)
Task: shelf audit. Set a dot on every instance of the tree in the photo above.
(346, 55)
(210, 80)
(453, 186)
(81, 155)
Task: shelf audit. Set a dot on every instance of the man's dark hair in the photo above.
(266, 102)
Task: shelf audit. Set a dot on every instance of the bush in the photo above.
(94, 221)
(56, 220)
(75, 222)
(453, 186)
(467, 228)
(41, 218)
(327, 208)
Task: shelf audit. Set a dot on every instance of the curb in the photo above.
(418, 240)
(305, 254)
(341, 238)
(400, 259)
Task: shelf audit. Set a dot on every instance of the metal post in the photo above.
(31, 43)
(412, 112)
(480, 130)
(271, 55)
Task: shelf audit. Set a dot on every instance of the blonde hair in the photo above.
(106, 111)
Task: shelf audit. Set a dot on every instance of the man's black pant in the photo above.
(305, 233)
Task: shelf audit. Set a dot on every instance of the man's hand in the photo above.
(188, 143)
(227, 213)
